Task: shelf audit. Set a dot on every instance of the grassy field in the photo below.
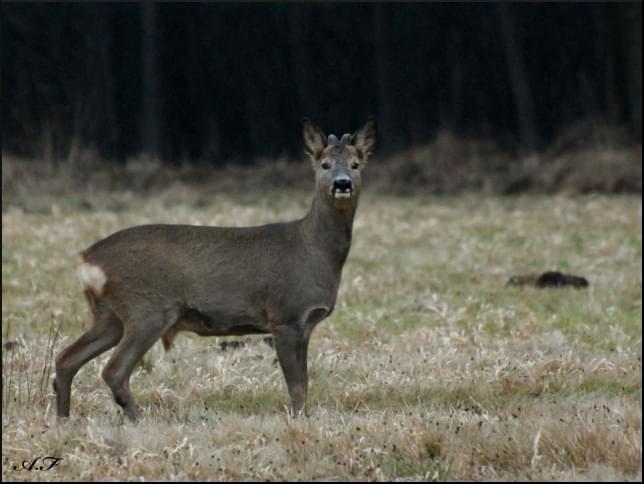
(430, 367)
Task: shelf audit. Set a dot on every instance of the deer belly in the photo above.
(219, 323)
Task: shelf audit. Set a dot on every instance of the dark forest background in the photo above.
(223, 81)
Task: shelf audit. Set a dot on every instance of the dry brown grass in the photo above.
(430, 368)
(588, 157)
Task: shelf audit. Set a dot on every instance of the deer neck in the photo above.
(329, 231)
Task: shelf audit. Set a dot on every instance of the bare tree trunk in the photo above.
(518, 79)
(255, 100)
(104, 79)
(386, 107)
(302, 68)
(632, 38)
(454, 53)
(151, 122)
(199, 81)
(606, 102)
(612, 102)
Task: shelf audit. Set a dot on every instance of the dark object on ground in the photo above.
(238, 344)
(233, 345)
(557, 279)
(548, 279)
(11, 345)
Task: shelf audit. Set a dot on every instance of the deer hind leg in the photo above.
(141, 333)
(105, 332)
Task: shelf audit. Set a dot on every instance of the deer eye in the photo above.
(325, 165)
(355, 165)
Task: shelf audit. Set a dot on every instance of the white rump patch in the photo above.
(92, 276)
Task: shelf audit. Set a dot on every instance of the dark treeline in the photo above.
(221, 81)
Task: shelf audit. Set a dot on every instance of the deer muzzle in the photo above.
(342, 188)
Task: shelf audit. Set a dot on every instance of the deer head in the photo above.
(338, 163)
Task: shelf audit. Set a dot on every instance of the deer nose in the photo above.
(342, 184)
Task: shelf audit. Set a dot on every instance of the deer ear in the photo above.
(365, 138)
(314, 139)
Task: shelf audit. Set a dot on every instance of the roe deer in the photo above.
(152, 281)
